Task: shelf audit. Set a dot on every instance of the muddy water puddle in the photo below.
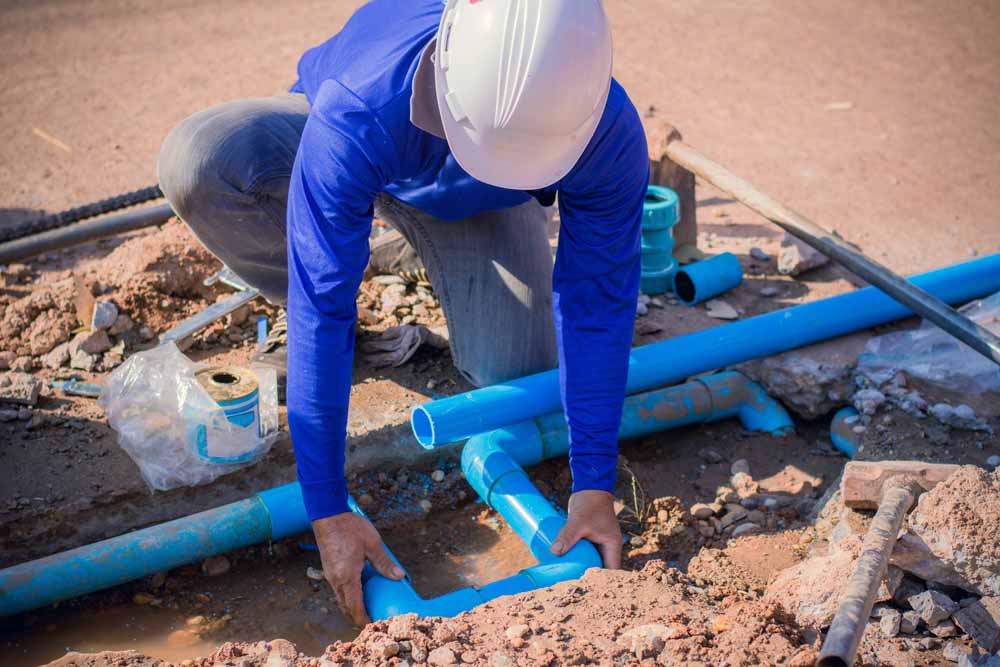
(265, 595)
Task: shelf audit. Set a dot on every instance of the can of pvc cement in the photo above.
(236, 391)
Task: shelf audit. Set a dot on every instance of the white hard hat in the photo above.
(521, 86)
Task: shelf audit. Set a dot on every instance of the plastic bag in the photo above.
(935, 357)
(173, 429)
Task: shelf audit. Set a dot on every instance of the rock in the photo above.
(960, 416)
(385, 647)
(82, 361)
(734, 514)
(726, 494)
(519, 631)
(438, 475)
(6, 359)
(641, 309)
(215, 566)
(57, 357)
(952, 652)
(91, 342)
(709, 455)
(721, 310)
(19, 388)
(442, 655)
(796, 257)
(744, 485)
(8, 414)
(499, 659)
(315, 574)
(759, 255)
(426, 505)
(23, 364)
(745, 529)
(104, 315)
(122, 324)
(952, 531)
(933, 606)
(647, 641)
(981, 621)
(945, 629)
(910, 622)
(757, 517)
(889, 623)
(811, 589)
(143, 599)
(740, 465)
(769, 291)
(392, 298)
(868, 401)
(907, 587)
(701, 511)
(993, 461)
(812, 381)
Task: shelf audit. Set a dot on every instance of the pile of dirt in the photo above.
(145, 285)
(654, 616)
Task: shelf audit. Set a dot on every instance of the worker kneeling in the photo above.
(456, 122)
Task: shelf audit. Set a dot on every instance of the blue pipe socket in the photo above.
(673, 360)
(842, 433)
(660, 212)
(707, 279)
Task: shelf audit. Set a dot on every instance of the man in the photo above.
(455, 121)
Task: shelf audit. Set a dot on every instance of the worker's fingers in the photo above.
(567, 537)
(354, 602)
(610, 549)
(382, 563)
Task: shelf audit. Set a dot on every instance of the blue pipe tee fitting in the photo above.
(660, 213)
(842, 433)
(707, 279)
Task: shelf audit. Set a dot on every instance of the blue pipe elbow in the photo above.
(708, 278)
(842, 433)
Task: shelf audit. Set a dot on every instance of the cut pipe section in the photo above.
(669, 361)
(707, 279)
(842, 433)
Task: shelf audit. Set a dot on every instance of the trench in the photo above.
(265, 595)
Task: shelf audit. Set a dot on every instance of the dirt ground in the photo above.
(862, 116)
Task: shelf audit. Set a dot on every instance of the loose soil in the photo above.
(849, 147)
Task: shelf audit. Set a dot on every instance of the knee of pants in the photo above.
(182, 169)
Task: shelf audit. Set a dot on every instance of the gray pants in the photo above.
(225, 172)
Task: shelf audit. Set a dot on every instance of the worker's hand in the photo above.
(345, 541)
(592, 517)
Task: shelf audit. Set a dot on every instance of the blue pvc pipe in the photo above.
(134, 555)
(669, 361)
(842, 433)
(707, 279)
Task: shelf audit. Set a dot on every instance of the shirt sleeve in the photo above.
(595, 289)
(343, 162)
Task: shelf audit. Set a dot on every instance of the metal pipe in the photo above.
(856, 605)
(842, 433)
(920, 301)
(82, 232)
(669, 361)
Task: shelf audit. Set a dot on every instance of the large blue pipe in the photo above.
(493, 463)
(669, 361)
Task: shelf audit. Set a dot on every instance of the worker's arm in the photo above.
(343, 162)
(595, 288)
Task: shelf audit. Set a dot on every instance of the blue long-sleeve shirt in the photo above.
(358, 142)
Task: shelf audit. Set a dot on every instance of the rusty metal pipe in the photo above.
(856, 605)
(920, 301)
